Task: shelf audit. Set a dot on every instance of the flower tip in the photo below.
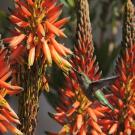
(31, 56)
(18, 132)
(17, 121)
(49, 63)
(68, 18)
(51, 115)
(66, 73)
(113, 129)
(30, 64)
(48, 133)
(21, 89)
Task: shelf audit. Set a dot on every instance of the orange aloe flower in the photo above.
(5, 73)
(122, 121)
(7, 116)
(77, 114)
(36, 28)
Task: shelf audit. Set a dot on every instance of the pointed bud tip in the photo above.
(51, 114)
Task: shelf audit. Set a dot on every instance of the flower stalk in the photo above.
(36, 28)
(29, 99)
(34, 46)
(75, 112)
(121, 121)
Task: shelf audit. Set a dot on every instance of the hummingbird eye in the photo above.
(80, 74)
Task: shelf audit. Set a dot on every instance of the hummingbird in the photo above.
(93, 88)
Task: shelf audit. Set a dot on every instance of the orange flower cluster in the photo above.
(122, 121)
(76, 114)
(123, 98)
(36, 27)
(7, 115)
(79, 116)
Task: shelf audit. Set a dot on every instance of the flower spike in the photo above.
(36, 26)
(75, 110)
(7, 116)
(123, 90)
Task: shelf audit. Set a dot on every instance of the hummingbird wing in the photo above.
(95, 85)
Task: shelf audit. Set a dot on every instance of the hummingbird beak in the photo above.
(77, 73)
(66, 73)
(75, 70)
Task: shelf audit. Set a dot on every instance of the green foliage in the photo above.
(68, 3)
(3, 22)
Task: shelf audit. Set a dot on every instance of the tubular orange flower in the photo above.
(33, 45)
(75, 110)
(36, 25)
(13, 129)
(15, 40)
(5, 73)
(122, 120)
(31, 56)
(7, 115)
(89, 117)
(16, 54)
(46, 51)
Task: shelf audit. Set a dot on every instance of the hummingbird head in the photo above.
(83, 80)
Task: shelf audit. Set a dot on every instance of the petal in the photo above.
(13, 129)
(46, 52)
(31, 57)
(58, 47)
(3, 128)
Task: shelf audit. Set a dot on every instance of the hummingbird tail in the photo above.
(100, 96)
(110, 106)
